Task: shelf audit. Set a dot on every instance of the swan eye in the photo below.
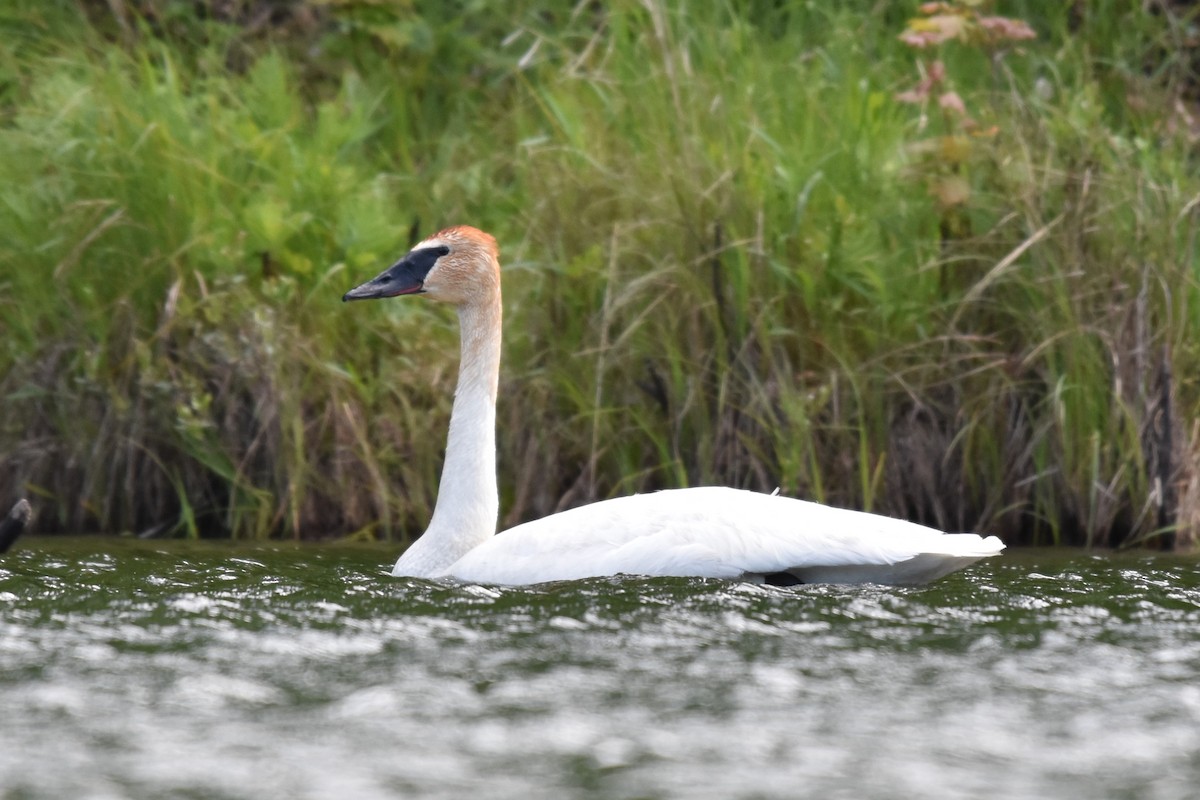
(421, 261)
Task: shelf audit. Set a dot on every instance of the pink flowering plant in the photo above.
(960, 23)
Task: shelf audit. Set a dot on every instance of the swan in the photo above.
(709, 531)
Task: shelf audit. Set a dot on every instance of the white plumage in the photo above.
(711, 532)
(717, 532)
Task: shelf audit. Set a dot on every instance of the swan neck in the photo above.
(468, 503)
(479, 367)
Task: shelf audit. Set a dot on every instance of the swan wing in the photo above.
(719, 532)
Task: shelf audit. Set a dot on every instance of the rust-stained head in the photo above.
(458, 265)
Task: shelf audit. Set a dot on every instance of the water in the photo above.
(234, 671)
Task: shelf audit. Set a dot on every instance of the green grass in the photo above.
(723, 260)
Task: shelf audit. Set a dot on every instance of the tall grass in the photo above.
(723, 264)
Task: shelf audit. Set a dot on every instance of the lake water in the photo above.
(175, 670)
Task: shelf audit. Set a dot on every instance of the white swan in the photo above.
(705, 531)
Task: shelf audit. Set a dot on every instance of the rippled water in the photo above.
(231, 671)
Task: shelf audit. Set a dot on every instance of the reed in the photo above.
(732, 256)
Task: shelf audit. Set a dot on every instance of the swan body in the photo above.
(718, 532)
(713, 532)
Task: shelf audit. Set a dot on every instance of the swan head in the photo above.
(459, 266)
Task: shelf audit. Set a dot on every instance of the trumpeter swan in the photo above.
(703, 531)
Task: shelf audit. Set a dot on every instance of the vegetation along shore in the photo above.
(937, 261)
